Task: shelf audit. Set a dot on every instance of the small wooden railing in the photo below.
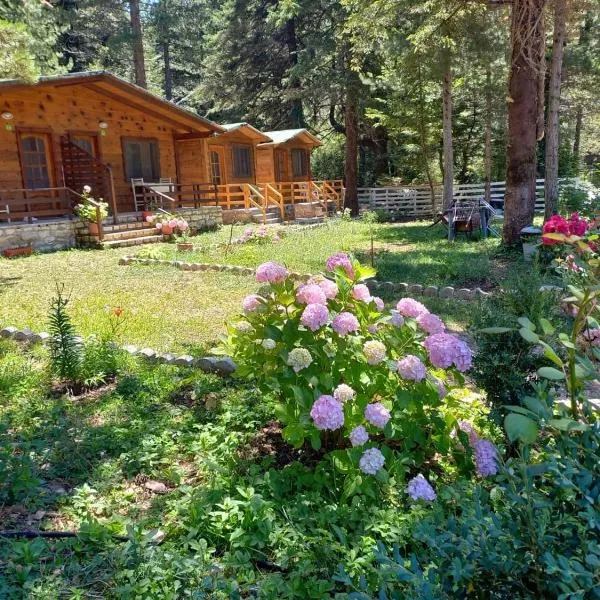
(275, 198)
(255, 199)
(32, 204)
(177, 195)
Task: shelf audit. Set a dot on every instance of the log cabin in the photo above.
(93, 128)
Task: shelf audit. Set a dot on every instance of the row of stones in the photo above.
(210, 364)
(431, 291)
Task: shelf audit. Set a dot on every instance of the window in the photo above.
(299, 162)
(86, 143)
(242, 161)
(215, 167)
(34, 161)
(141, 159)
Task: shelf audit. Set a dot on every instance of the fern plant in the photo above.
(65, 348)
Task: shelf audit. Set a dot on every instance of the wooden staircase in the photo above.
(132, 231)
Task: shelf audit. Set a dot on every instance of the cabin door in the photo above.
(280, 170)
(81, 165)
(217, 165)
(35, 151)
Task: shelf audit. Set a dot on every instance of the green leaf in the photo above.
(520, 427)
(546, 326)
(293, 434)
(496, 330)
(550, 354)
(315, 440)
(528, 335)
(522, 411)
(550, 373)
(535, 406)
(567, 425)
(526, 323)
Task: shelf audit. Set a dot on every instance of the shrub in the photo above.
(349, 376)
(579, 196)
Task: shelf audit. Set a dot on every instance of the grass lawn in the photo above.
(164, 308)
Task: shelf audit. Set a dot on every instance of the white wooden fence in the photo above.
(416, 201)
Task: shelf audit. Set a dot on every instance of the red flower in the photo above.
(555, 224)
(577, 225)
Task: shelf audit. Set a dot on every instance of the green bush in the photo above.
(579, 196)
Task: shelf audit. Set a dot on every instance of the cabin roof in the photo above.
(248, 130)
(114, 87)
(283, 136)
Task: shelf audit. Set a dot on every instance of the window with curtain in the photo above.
(299, 162)
(86, 143)
(242, 161)
(141, 159)
(34, 159)
(215, 167)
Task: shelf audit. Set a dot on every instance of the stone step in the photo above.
(128, 234)
(308, 220)
(133, 225)
(150, 239)
(269, 220)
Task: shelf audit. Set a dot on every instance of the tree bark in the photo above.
(487, 159)
(447, 128)
(577, 140)
(139, 66)
(552, 129)
(351, 151)
(527, 54)
(296, 109)
(168, 71)
(423, 135)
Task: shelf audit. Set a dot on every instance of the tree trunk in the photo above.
(168, 71)
(295, 102)
(552, 129)
(139, 66)
(527, 54)
(351, 154)
(423, 135)
(487, 159)
(447, 128)
(577, 140)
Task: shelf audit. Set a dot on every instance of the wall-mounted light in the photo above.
(7, 116)
(103, 125)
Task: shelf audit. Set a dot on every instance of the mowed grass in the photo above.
(164, 308)
(407, 252)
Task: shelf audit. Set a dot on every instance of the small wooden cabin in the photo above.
(68, 131)
(286, 157)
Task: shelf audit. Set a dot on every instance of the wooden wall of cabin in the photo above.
(265, 167)
(226, 142)
(267, 158)
(63, 109)
(192, 156)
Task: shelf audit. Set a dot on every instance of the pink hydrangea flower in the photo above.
(445, 350)
(271, 272)
(311, 293)
(330, 288)
(431, 323)
(409, 307)
(377, 414)
(359, 436)
(159, 225)
(374, 352)
(411, 367)
(468, 428)
(361, 292)
(379, 304)
(344, 393)
(182, 224)
(373, 328)
(327, 413)
(345, 323)
(314, 316)
(420, 489)
(441, 388)
(340, 259)
(371, 461)
(173, 223)
(251, 303)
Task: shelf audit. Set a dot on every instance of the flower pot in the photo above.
(93, 229)
(185, 246)
(146, 214)
(21, 251)
(166, 229)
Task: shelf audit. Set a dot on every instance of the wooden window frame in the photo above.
(47, 134)
(305, 162)
(75, 133)
(250, 150)
(220, 152)
(127, 138)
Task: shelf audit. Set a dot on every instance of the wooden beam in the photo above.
(196, 135)
(128, 102)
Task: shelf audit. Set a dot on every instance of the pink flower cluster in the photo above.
(486, 455)
(371, 461)
(379, 304)
(262, 233)
(327, 413)
(311, 293)
(411, 367)
(271, 272)
(359, 436)
(575, 225)
(361, 292)
(445, 350)
(330, 288)
(340, 259)
(314, 316)
(377, 414)
(420, 489)
(344, 393)
(252, 303)
(345, 323)
(409, 307)
(431, 323)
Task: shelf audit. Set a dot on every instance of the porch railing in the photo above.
(171, 196)
(28, 205)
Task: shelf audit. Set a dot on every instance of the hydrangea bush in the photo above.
(364, 383)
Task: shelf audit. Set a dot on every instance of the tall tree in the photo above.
(448, 148)
(526, 68)
(552, 129)
(139, 65)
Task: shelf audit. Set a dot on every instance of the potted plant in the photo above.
(183, 239)
(89, 210)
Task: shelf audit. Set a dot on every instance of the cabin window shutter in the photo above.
(299, 162)
(242, 161)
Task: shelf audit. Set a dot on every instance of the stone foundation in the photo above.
(236, 215)
(203, 218)
(53, 235)
(308, 210)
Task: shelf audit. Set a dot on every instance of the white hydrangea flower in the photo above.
(268, 344)
(299, 358)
